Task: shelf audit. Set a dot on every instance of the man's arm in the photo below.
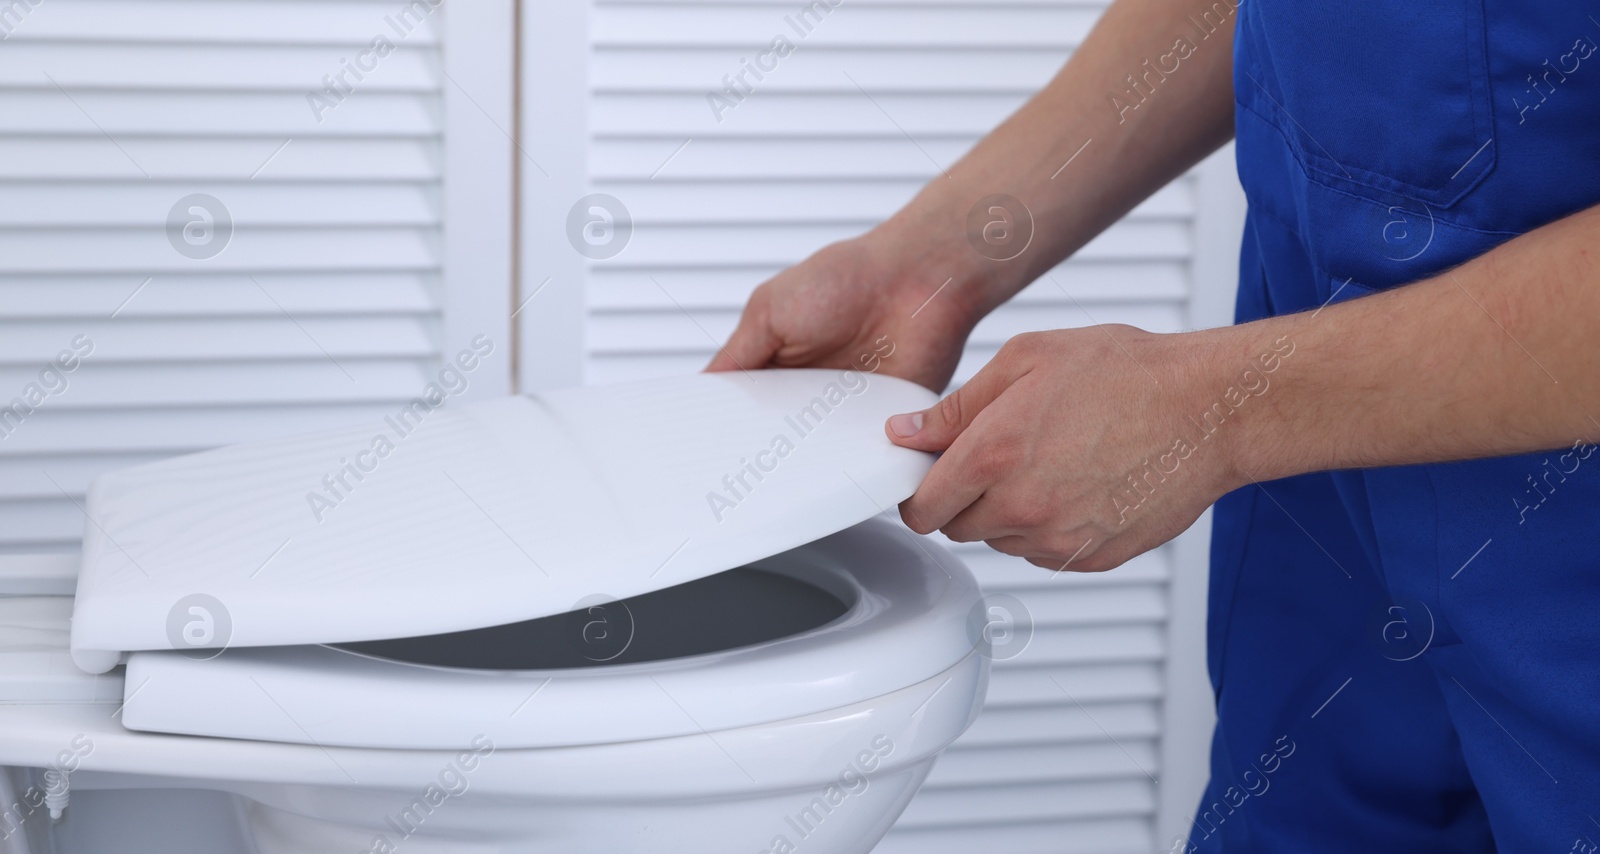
(1178, 109)
(918, 281)
(1497, 357)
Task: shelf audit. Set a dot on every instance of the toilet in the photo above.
(663, 616)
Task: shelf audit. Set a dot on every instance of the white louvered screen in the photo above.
(339, 287)
(1078, 728)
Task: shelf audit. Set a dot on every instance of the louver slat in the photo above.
(324, 307)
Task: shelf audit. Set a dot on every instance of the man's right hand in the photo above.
(861, 304)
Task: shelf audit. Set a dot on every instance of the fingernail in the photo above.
(906, 426)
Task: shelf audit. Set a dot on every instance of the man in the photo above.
(1405, 606)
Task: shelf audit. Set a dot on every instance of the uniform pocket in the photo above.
(1374, 95)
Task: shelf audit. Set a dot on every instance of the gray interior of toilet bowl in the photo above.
(732, 609)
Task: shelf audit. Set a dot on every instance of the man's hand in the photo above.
(858, 304)
(1082, 448)
(1073, 449)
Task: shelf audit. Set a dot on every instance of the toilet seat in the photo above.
(235, 611)
(909, 605)
(485, 513)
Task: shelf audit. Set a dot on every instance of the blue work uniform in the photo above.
(1407, 659)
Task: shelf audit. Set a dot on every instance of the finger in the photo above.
(936, 428)
(750, 347)
(981, 520)
(1018, 545)
(1011, 544)
(1099, 563)
(957, 480)
(1084, 558)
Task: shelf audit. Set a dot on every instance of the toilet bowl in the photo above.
(402, 676)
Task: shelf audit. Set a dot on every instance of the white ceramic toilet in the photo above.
(654, 617)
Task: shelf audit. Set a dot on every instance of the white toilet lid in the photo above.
(473, 515)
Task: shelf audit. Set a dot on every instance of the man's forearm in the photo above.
(1146, 96)
(1496, 357)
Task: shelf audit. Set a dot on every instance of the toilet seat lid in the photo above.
(465, 515)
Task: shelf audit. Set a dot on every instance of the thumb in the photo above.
(935, 428)
(750, 347)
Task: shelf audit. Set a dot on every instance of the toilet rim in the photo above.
(909, 618)
(920, 719)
